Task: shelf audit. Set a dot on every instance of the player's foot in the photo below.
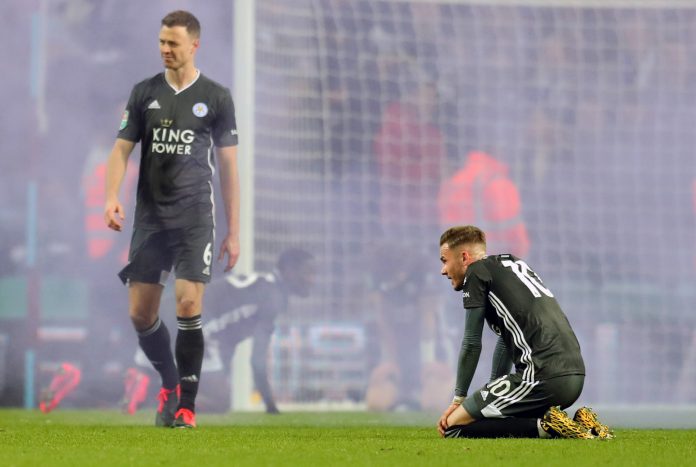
(586, 417)
(168, 402)
(136, 385)
(66, 379)
(556, 423)
(184, 418)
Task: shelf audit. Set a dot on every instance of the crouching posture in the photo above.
(534, 334)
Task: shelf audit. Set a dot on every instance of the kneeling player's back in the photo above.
(525, 312)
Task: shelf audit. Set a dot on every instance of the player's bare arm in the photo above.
(229, 184)
(115, 171)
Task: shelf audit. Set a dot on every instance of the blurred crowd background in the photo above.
(565, 131)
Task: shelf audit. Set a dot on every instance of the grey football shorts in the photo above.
(153, 254)
(509, 396)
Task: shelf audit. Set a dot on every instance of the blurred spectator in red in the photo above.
(482, 193)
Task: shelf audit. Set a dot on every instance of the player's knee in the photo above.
(141, 319)
(187, 307)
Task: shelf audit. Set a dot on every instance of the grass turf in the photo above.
(105, 438)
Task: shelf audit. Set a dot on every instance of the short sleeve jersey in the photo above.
(177, 130)
(525, 313)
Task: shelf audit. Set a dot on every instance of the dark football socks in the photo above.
(189, 359)
(496, 428)
(156, 345)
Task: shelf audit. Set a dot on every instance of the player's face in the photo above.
(454, 264)
(177, 47)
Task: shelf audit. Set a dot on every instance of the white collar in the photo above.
(198, 75)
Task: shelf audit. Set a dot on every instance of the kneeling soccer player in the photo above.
(534, 333)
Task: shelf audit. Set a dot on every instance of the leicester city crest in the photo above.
(200, 109)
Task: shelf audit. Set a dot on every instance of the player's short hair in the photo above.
(292, 258)
(462, 235)
(185, 19)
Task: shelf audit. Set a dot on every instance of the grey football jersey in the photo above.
(177, 130)
(525, 313)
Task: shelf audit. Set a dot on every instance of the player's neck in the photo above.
(181, 77)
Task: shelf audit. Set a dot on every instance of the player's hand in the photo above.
(230, 246)
(113, 215)
(442, 423)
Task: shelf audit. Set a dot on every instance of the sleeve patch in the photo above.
(124, 120)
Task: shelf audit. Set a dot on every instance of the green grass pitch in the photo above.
(103, 438)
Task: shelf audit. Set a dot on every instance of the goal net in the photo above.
(570, 126)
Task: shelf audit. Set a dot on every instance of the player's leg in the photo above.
(189, 347)
(587, 417)
(155, 342)
(561, 392)
(460, 416)
(566, 390)
(193, 249)
(153, 335)
(467, 421)
(461, 424)
(511, 406)
(150, 261)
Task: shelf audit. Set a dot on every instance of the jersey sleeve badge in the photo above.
(124, 120)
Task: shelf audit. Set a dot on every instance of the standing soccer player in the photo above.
(535, 334)
(177, 116)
